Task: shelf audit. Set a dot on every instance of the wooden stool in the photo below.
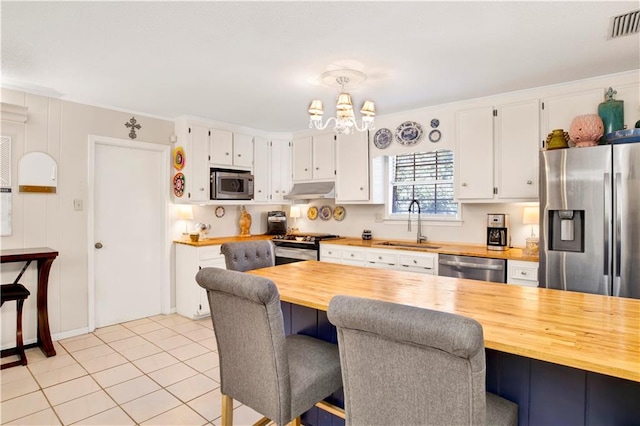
(19, 293)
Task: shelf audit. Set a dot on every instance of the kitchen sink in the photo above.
(409, 245)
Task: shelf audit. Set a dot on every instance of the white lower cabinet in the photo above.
(342, 254)
(522, 273)
(423, 263)
(378, 258)
(191, 299)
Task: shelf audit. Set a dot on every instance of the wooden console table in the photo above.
(45, 257)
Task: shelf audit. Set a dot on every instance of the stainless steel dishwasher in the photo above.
(474, 268)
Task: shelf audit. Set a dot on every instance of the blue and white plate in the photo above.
(382, 138)
(409, 133)
(624, 136)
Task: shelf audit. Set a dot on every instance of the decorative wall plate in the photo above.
(435, 135)
(219, 211)
(325, 213)
(382, 138)
(409, 133)
(178, 184)
(339, 213)
(312, 213)
(435, 123)
(178, 158)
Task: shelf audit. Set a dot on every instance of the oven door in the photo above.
(293, 254)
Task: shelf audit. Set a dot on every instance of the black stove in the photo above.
(298, 247)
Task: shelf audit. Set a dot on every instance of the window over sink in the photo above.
(426, 177)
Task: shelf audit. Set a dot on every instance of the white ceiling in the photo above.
(253, 63)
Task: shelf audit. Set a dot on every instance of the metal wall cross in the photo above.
(133, 125)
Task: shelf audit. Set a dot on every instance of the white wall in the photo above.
(61, 129)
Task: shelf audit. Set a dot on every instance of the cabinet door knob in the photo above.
(317, 168)
(201, 189)
(239, 155)
(98, 245)
(523, 273)
(415, 261)
(277, 192)
(361, 189)
(464, 184)
(259, 191)
(351, 254)
(226, 153)
(305, 169)
(529, 182)
(379, 257)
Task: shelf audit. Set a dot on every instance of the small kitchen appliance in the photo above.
(498, 234)
(276, 223)
(231, 185)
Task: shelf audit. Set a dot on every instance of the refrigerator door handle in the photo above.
(617, 181)
(607, 231)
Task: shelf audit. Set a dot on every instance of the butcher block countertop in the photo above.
(221, 240)
(478, 250)
(585, 331)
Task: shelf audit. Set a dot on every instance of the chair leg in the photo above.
(19, 341)
(295, 422)
(227, 410)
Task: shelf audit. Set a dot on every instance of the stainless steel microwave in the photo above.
(231, 185)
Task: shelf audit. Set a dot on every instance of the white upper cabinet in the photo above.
(313, 158)
(474, 154)
(280, 163)
(193, 141)
(272, 170)
(352, 167)
(221, 147)
(497, 152)
(242, 150)
(261, 170)
(517, 143)
(231, 149)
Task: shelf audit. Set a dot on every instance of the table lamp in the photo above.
(531, 216)
(185, 213)
(295, 214)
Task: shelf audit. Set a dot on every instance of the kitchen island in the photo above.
(565, 358)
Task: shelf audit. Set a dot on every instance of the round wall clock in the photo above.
(219, 211)
(435, 135)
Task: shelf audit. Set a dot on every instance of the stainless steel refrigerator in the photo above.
(590, 219)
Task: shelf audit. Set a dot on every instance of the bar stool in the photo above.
(19, 293)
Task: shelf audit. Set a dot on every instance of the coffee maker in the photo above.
(498, 235)
(276, 223)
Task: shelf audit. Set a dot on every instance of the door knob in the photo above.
(98, 245)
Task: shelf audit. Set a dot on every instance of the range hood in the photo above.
(311, 191)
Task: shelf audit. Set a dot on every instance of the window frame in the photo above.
(433, 219)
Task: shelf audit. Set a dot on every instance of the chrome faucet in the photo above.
(419, 238)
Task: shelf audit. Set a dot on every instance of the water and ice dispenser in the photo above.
(566, 230)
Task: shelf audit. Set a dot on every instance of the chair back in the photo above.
(249, 329)
(247, 255)
(407, 365)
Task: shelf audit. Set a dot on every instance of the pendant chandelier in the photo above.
(344, 121)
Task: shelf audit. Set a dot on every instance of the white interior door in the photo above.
(129, 211)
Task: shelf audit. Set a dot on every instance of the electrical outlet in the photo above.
(77, 205)
(379, 218)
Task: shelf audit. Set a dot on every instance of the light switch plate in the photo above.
(77, 205)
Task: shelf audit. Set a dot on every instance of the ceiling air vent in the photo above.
(626, 24)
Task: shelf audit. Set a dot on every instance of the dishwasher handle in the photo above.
(471, 265)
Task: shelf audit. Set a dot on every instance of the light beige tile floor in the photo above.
(161, 370)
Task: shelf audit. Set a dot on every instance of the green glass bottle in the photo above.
(611, 112)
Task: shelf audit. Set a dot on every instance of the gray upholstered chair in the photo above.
(279, 377)
(403, 365)
(247, 255)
